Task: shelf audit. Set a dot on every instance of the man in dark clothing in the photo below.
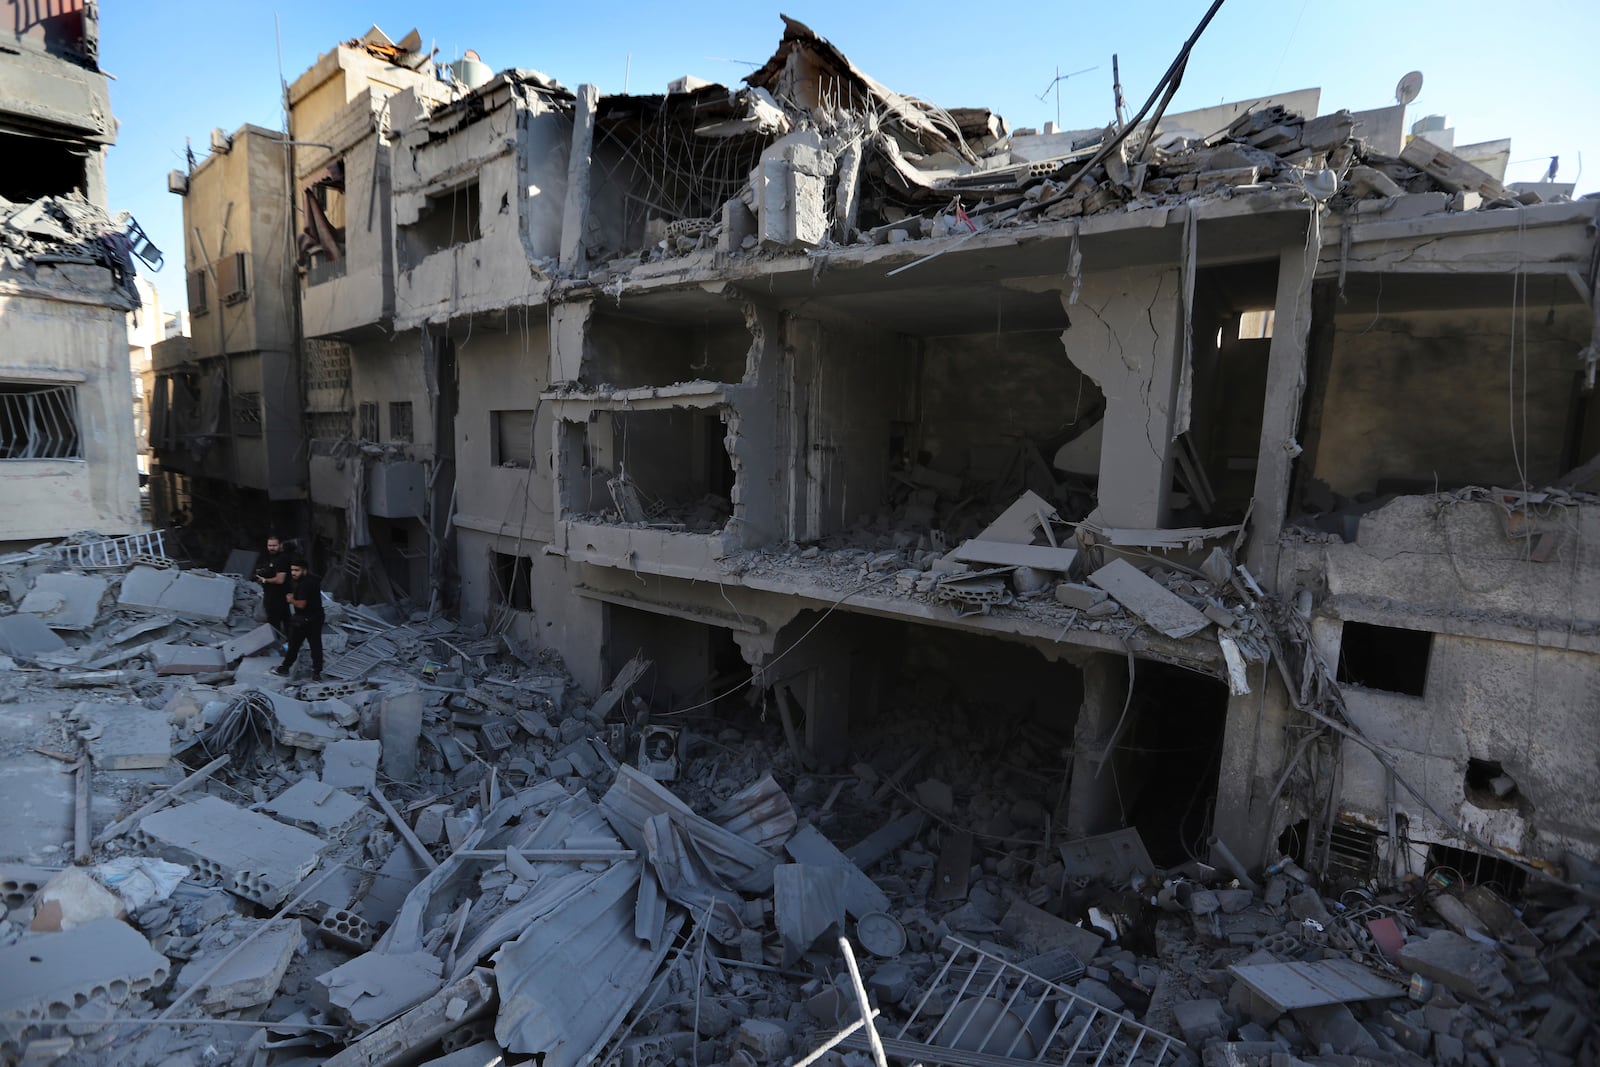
(273, 574)
(305, 596)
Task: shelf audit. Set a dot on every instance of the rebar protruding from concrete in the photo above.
(833, 1042)
(861, 998)
(1220, 850)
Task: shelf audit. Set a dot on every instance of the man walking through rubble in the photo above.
(305, 596)
(273, 574)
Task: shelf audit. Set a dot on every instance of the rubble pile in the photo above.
(444, 853)
(64, 230)
(890, 169)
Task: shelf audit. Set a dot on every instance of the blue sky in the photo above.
(185, 66)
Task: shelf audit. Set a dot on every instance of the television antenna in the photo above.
(1056, 85)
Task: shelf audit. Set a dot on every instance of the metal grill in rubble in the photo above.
(981, 1011)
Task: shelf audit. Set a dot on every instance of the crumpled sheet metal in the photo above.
(634, 799)
(567, 982)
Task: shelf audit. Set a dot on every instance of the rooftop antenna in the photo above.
(1056, 85)
(627, 73)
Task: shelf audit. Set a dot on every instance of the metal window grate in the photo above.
(244, 411)
(999, 1014)
(39, 422)
(368, 416)
(400, 420)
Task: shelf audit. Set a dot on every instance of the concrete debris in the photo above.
(957, 686)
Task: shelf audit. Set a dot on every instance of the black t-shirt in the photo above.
(273, 566)
(307, 587)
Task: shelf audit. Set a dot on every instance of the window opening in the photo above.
(39, 422)
(1384, 657)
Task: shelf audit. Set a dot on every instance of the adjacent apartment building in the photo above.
(68, 458)
(1244, 458)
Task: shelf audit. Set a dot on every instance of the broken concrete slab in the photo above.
(375, 987)
(126, 737)
(351, 764)
(1306, 984)
(72, 898)
(315, 804)
(27, 637)
(1463, 966)
(251, 976)
(189, 594)
(252, 855)
(1081, 597)
(297, 727)
(1165, 612)
(1113, 857)
(49, 975)
(1021, 522)
(861, 895)
(1003, 554)
(399, 731)
(248, 644)
(186, 659)
(65, 601)
(1038, 931)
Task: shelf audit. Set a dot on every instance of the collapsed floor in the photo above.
(445, 853)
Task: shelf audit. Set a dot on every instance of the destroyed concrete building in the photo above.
(1139, 570)
(68, 460)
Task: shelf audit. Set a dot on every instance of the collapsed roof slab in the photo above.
(1240, 229)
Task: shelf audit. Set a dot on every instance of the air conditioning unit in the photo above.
(221, 143)
(177, 182)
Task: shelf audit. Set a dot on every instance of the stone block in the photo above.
(252, 855)
(399, 730)
(47, 975)
(1201, 1020)
(186, 659)
(315, 804)
(251, 977)
(248, 644)
(27, 636)
(189, 594)
(1081, 597)
(767, 1041)
(126, 737)
(351, 764)
(72, 898)
(65, 601)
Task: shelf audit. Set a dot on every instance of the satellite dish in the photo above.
(1408, 88)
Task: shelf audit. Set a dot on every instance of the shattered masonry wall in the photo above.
(1125, 337)
(58, 337)
(843, 386)
(361, 295)
(1511, 672)
(517, 153)
(1423, 395)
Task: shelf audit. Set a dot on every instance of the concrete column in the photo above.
(1252, 753)
(1092, 806)
(1127, 335)
(575, 214)
(1280, 416)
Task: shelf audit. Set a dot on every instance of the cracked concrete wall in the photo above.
(362, 295)
(1126, 336)
(1423, 397)
(77, 336)
(517, 155)
(757, 438)
(394, 370)
(1510, 675)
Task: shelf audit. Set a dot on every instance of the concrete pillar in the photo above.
(1252, 753)
(575, 212)
(1127, 335)
(1092, 806)
(1280, 416)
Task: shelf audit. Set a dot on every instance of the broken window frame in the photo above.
(367, 421)
(402, 429)
(39, 421)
